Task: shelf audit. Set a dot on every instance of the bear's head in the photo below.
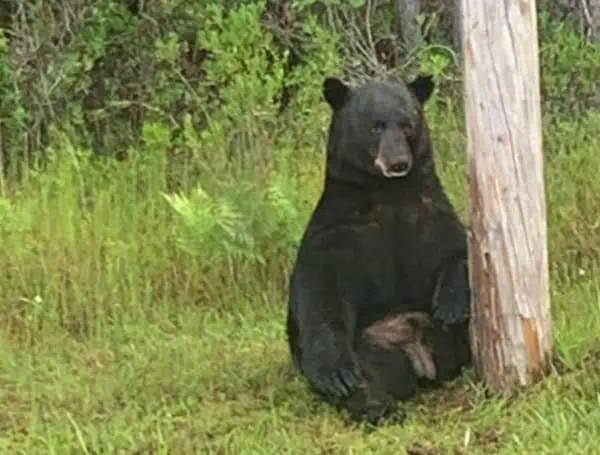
(378, 131)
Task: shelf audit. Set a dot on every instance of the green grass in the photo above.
(114, 339)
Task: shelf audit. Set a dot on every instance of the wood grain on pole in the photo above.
(508, 257)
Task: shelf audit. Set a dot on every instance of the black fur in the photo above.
(383, 241)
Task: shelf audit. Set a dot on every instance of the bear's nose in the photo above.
(401, 167)
(397, 168)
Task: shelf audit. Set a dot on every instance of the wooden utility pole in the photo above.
(408, 28)
(508, 259)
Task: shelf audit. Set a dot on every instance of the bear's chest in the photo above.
(414, 226)
(400, 249)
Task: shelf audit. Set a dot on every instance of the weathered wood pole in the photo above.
(407, 25)
(508, 259)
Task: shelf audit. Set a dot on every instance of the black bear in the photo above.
(379, 293)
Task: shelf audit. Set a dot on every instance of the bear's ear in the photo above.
(422, 87)
(335, 92)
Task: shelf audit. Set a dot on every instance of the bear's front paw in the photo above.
(450, 314)
(367, 405)
(451, 298)
(335, 378)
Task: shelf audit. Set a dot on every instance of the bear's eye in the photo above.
(377, 128)
(405, 127)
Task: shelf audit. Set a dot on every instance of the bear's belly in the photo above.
(386, 267)
(394, 281)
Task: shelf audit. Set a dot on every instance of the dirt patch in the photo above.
(490, 440)
(419, 449)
